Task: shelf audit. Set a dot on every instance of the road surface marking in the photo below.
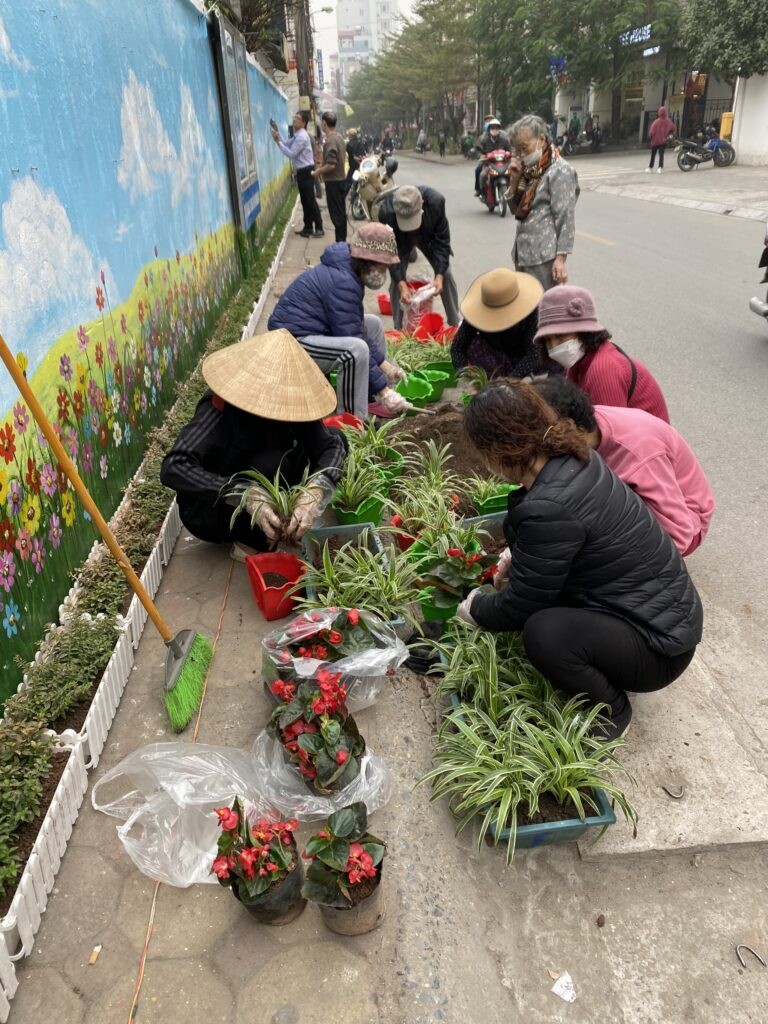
(595, 238)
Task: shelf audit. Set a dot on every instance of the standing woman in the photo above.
(572, 337)
(599, 590)
(542, 194)
(301, 154)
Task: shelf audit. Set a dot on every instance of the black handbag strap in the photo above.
(633, 381)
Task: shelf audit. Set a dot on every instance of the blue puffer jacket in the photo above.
(328, 300)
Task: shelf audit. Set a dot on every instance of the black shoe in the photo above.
(303, 233)
(319, 233)
(616, 725)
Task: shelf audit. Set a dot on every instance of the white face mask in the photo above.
(373, 278)
(567, 353)
(532, 158)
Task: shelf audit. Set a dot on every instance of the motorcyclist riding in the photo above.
(493, 138)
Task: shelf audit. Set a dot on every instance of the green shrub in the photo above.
(25, 761)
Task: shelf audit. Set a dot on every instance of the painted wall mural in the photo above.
(116, 252)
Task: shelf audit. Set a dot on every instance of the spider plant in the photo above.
(499, 769)
(281, 497)
(473, 377)
(483, 488)
(427, 465)
(360, 481)
(411, 354)
(372, 442)
(417, 508)
(354, 578)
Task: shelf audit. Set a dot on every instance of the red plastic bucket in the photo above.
(385, 304)
(274, 602)
(430, 326)
(414, 283)
(446, 336)
(343, 419)
(402, 540)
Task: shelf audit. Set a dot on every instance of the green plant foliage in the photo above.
(282, 497)
(726, 37)
(411, 354)
(343, 853)
(25, 761)
(361, 480)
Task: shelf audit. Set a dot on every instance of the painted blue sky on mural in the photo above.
(112, 145)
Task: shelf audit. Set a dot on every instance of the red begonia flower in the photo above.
(228, 819)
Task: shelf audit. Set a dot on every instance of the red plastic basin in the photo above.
(274, 602)
(430, 326)
(343, 419)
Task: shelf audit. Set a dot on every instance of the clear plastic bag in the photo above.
(284, 787)
(170, 831)
(364, 666)
(421, 303)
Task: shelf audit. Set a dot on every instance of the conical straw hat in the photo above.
(270, 375)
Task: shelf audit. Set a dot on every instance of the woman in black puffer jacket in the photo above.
(599, 590)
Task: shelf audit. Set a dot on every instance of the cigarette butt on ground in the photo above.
(94, 954)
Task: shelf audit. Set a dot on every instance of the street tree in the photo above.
(727, 38)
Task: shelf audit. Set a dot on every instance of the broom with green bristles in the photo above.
(189, 654)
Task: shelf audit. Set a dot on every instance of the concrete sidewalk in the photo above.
(466, 940)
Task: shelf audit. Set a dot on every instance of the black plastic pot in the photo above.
(363, 917)
(281, 904)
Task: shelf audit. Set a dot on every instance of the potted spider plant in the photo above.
(473, 378)
(410, 354)
(488, 495)
(416, 508)
(259, 862)
(344, 874)
(372, 444)
(360, 495)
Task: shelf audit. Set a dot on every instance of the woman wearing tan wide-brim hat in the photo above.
(264, 412)
(500, 315)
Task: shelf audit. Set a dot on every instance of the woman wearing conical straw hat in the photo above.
(264, 411)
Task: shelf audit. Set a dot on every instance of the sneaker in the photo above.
(478, 194)
(648, 170)
(659, 170)
(303, 233)
(319, 233)
(239, 552)
(616, 725)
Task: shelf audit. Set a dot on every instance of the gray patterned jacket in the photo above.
(550, 226)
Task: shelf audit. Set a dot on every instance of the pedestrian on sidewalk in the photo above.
(323, 309)
(441, 143)
(416, 214)
(264, 412)
(500, 313)
(333, 172)
(542, 194)
(647, 454)
(600, 592)
(571, 336)
(661, 131)
(300, 151)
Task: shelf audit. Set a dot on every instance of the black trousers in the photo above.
(210, 521)
(337, 210)
(660, 151)
(306, 183)
(583, 651)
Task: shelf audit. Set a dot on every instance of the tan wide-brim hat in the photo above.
(500, 299)
(270, 375)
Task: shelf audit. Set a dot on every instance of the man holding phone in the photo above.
(301, 154)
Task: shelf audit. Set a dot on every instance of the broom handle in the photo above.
(69, 468)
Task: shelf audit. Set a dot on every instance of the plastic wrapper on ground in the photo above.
(421, 303)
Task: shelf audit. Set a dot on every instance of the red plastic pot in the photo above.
(430, 327)
(385, 303)
(274, 602)
(446, 336)
(394, 335)
(343, 419)
(402, 540)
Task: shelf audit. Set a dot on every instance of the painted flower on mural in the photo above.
(62, 400)
(11, 619)
(22, 545)
(103, 467)
(7, 535)
(20, 418)
(65, 368)
(99, 298)
(32, 476)
(123, 324)
(15, 494)
(22, 362)
(48, 480)
(61, 479)
(99, 354)
(38, 555)
(117, 433)
(68, 508)
(87, 456)
(4, 483)
(78, 404)
(7, 445)
(72, 442)
(82, 338)
(31, 513)
(7, 571)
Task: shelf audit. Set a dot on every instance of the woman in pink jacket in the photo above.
(659, 134)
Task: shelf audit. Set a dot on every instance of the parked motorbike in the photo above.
(567, 143)
(707, 145)
(370, 183)
(755, 304)
(493, 194)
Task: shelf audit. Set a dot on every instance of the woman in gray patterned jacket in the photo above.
(542, 195)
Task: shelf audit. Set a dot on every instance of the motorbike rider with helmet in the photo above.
(493, 138)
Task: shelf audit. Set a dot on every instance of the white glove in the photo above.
(392, 371)
(262, 513)
(502, 574)
(392, 401)
(306, 511)
(463, 611)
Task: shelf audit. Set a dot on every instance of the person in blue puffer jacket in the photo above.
(323, 310)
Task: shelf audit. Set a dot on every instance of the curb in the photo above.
(741, 212)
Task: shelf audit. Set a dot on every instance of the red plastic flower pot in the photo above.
(402, 540)
(385, 303)
(272, 597)
(430, 327)
(343, 419)
(394, 335)
(446, 336)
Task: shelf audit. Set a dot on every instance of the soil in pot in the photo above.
(281, 904)
(550, 810)
(364, 915)
(335, 541)
(26, 834)
(274, 579)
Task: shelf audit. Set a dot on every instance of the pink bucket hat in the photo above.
(375, 242)
(566, 309)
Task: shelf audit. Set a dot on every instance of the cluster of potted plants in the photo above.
(259, 861)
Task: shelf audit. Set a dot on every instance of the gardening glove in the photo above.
(393, 372)
(262, 513)
(502, 573)
(463, 611)
(393, 402)
(306, 511)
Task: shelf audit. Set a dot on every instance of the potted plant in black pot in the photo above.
(259, 862)
(344, 876)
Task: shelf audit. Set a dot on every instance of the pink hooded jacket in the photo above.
(661, 129)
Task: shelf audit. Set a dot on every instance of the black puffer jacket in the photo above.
(581, 538)
(433, 237)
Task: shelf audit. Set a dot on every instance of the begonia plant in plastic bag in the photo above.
(421, 303)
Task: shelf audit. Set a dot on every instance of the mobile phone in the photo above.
(273, 123)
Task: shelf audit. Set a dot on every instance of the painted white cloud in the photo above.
(196, 163)
(212, 107)
(8, 55)
(122, 230)
(47, 273)
(146, 152)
